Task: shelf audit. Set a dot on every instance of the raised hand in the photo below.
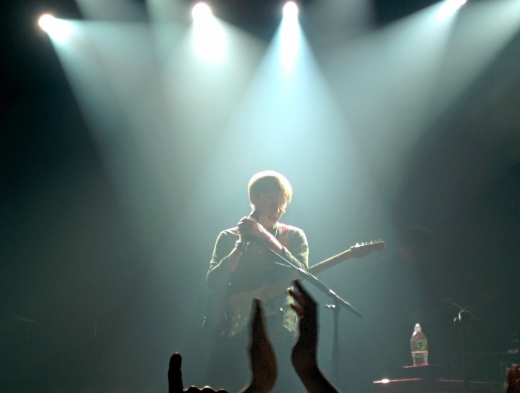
(175, 384)
(304, 351)
(261, 355)
(248, 227)
(512, 383)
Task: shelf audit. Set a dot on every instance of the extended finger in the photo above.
(302, 290)
(258, 321)
(305, 295)
(257, 310)
(175, 374)
(297, 296)
(298, 309)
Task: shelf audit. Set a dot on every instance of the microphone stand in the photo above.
(461, 321)
(338, 303)
(334, 364)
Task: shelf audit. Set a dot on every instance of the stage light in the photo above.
(450, 8)
(289, 36)
(208, 36)
(457, 3)
(46, 21)
(201, 12)
(290, 9)
(57, 29)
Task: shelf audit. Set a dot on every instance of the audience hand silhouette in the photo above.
(262, 359)
(175, 384)
(304, 351)
(261, 355)
(512, 383)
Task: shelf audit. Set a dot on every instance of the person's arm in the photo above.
(224, 261)
(304, 351)
(261, 355)
(249, 228)
(512, 381)
(297, 250)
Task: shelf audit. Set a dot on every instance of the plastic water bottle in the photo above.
(419, 346)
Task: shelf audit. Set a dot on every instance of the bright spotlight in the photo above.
(201, 11)
(290, 9)
(57, 29)
(46, 21)
(208, 36)
(457, 3)
(450, 8)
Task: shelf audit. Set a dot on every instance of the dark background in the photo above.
(74, 274)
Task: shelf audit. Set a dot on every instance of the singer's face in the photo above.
(270, 206)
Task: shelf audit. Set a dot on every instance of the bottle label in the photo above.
(419, 345)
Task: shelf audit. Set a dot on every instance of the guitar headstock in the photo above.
(363, 250)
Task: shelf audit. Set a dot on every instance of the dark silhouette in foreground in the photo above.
(512, 381)
(261, 354)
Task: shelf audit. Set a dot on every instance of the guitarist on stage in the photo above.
(242, 263)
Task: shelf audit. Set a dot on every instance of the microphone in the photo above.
(255, 214)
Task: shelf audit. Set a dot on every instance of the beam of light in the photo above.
(209, 40)
(289, 36)
(168, 25)
(384, 82)
(166, 10)
(121, 10)
(480, 34)
(456, 3)
(57, 29)
(198, 98)
(396, 82)
(450, 8)
(332, 22)
(112, 72)
(287, 119)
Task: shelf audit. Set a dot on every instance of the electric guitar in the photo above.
(228, 313)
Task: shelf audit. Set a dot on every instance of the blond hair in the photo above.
(267, 181)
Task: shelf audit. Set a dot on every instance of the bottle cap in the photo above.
(417, 327)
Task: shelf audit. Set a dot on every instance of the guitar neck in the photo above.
(330, 262)
(240, 303)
